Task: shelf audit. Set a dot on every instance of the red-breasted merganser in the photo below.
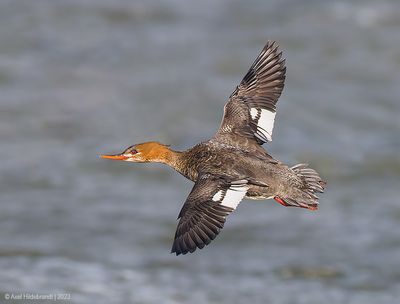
(232, 165)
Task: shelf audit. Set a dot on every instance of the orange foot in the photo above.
(300, 205)
(281, 201)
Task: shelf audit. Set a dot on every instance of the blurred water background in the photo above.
(81, 78)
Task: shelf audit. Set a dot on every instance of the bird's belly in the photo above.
(259, 193)
(258, 198)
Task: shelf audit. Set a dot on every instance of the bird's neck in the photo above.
(178, 160)
(170, 157)
(162, 154)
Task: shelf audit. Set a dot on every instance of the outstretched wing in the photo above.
(203, 215)
(250, 111)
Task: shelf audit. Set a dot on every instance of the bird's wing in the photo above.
(250, 111)
(203, 215)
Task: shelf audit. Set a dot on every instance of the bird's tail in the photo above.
(312, 183)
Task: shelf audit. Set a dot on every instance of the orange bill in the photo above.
(115, 157)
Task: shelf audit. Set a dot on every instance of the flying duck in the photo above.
(233, 165)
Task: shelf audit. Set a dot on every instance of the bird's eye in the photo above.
(133, 151)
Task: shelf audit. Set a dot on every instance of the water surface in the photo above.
(81, 78)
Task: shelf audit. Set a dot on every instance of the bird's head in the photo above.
(142, 153)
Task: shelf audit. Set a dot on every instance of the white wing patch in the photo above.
(218, 196)
(265, 121)
(231, 197)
